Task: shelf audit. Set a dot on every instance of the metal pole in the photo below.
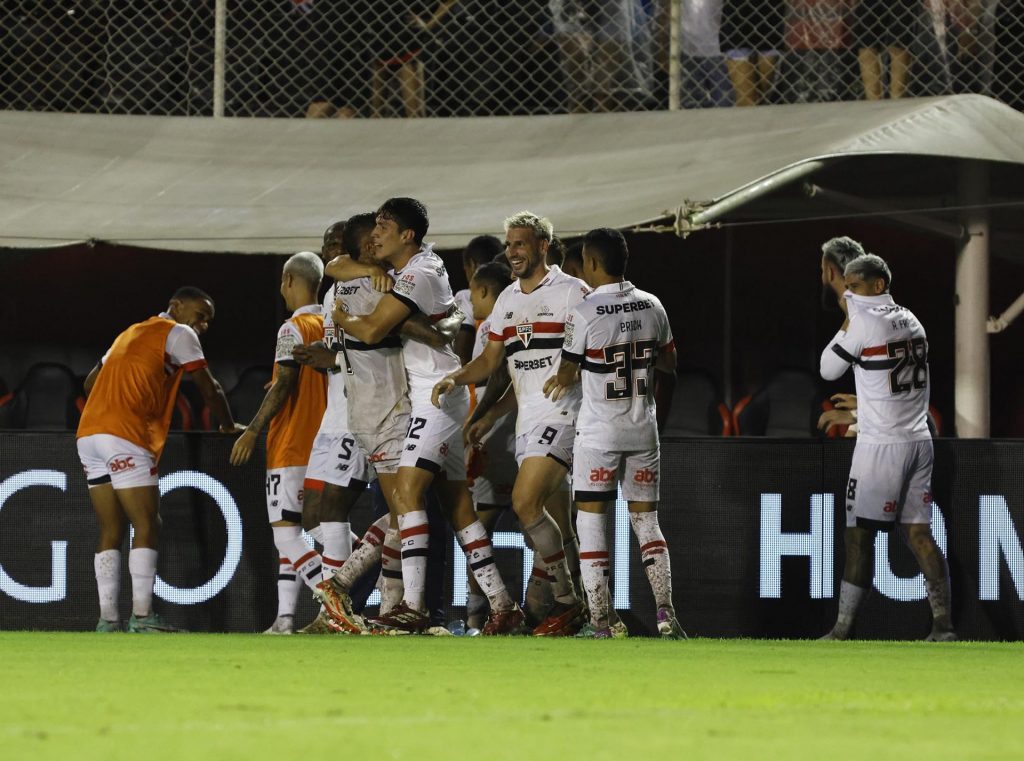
(219, 36)
(674, 62)
(972, 389)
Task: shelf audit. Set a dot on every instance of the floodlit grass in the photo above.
(183, 697)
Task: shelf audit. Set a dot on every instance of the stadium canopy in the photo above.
(273, 185)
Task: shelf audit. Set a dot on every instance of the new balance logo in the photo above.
(125, 463)
(508, 315)
(601, 475)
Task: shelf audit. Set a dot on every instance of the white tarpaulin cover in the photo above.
(273, 185)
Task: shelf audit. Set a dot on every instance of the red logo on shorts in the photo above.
(645, 476)
(126, 463)
(444, 449)
(377, 457)
(927, 498)
(601, 475)
(890, 507)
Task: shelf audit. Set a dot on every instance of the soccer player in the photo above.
(890, 476)
(479, 251)
(130, 401)
(293, 406)
(572, 263)
(619, 338)
(433, 446)
(527, 327)
(373, 395)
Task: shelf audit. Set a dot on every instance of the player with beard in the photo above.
(836, 253)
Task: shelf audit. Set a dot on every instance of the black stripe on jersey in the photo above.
(388, 342)
(880, 364)
(536, 343)
(595, 367)
(845, 355)
(576, 358)
(594, 496)
(407, 301)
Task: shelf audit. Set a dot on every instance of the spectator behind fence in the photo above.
(705, 80)
(885, 27)
(399, 31)
(752, 38)
(817, 34)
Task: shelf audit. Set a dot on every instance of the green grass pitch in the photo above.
(92, 696)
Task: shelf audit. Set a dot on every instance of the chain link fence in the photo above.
(370, 58)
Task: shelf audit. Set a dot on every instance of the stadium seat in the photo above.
(45, 400)
(246, 396)
(787, 407)
(697, 409)
(183, 418)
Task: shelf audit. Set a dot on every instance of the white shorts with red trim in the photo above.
(285, 491)
(113, 460)
(337, 460)
(434, 440)
(383, 448)
(595, 474)
(890, 482)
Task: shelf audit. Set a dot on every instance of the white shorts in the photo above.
(890, 482)
(383, 448)
(122, 464)
(554, 441)
(434, 440)
(492, 465)
(337, 460)
(284, 493)
(596, 473)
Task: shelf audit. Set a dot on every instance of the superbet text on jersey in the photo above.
(615, 335)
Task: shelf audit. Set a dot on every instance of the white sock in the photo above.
(654, 555)
(547, 541)
(108, 582)
(317, 534)
(365, 554)
(304, 559)
(594, 563)
(288, 586)
(480, 557)
(415, 548)
(476, 610)
(142, 567)
(538, 592)
(850, 597)
(337, 544)
(391, 586)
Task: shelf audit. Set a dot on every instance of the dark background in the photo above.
(710, 513)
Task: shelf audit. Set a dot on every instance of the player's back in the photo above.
(374, 376)
(618, 331)
(291, 433)
(891, 373)
(134, 393)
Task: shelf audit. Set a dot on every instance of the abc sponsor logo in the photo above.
(645, 476)
(601, 476)
(121, 463)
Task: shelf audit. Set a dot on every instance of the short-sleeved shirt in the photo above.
(335, 420)
(291, 433)
(888, 347)
(422, 285)
(615, 336)
(531, 326)
(465, 305)
(374, 374)
(137, 386)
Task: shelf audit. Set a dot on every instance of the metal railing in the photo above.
(366, 58)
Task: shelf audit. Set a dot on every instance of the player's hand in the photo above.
(553, 389)
(442, 387)
(832, 418)
(315, 355)
(380, 280)
(243, 448)
(844, 401)
(232, 429)
(476, 432)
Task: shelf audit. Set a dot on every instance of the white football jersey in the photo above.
(335, 420)
(889, 350)
(532, 328)
(465, 304)
(504, 429)
(423, 286)
(615, 335)
(374, 374)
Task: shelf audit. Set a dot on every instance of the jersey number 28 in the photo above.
(911, 368)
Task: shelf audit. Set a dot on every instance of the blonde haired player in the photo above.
(130, 401)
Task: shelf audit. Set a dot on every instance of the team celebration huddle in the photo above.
(532, 390)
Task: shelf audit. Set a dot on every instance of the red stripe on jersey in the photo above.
(653, 545)
(595, 353)
(669, 346)
(495, 336)
(874, 351)
(308, 556)
(415, 531)
(391, 552)
(593, 555)
(476, 545)
(538, 327)
(191, 367)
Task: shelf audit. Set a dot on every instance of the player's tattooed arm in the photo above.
(213, 395)
(284, 384)
(437, 335)
(664, 384)
(344, 268)
(559, 384)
